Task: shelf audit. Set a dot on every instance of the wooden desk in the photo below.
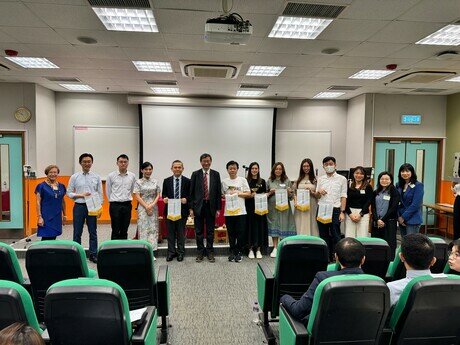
(438, 210)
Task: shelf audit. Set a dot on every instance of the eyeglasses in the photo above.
(456, 255)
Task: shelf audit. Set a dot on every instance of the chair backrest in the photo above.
(16, 306)
(87, 311)
(349, 309)
(426, 312)
(299, 259)
(9, 264)
(129, 263)
(48, 262)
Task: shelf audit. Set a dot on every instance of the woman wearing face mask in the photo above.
(359, 197)
(411, 193)
(50, 205)
(280, 222)
(305, 221)
(384, 205)
(147, 192)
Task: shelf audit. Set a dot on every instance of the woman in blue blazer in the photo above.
(410, 207)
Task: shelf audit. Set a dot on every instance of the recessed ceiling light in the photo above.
(455, 79)
(446, 36)
(299, 27)
(166, 90)
(371, 74)
(77, 87)
(265, 71)
(126, 19)
(328, 94)
(31, 62)
(249, 93)
(153, 66)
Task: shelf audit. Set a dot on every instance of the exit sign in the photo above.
(411, 119)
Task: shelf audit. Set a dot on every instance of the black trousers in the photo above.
(205, 217)
(330, 233)
(236, 230)
(176, 232)
(120, 216)
(457, 217)
(48, 238)
(388, 233)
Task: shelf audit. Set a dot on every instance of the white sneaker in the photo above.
(251, 255)
(273, 253)
(259, 255)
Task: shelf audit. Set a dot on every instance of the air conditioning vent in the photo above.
(423, 77)
(209, 70)
(343, 88)
(296, 9)
(162, 82)
(427, 90)
(120, 3)
(63, 80)
(254, 86)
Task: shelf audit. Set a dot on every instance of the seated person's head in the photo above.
(20, 334)
(454, 256)
(417, 252)
(350, 253)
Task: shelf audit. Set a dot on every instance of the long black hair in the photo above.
(302, 174)
(379, 186)
(365, 181)
(249, 177)
(283, 176)
(408, 167)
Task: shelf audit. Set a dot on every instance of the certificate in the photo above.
(94, 204)
(232, 207)
(303, 200)
(174, 209)
(281, 196)
(261, 204)
(325, 213)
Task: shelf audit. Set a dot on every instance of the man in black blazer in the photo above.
(176, 187)
(350, 254)
(205, 195)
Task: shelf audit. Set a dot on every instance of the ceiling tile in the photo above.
(316, 46)
(194, 42)
(377, 9)
(17, 14)
(151, 40)
(103, 37)
(56, 50)
(352, 30)
(259, 6)
(281, 45)
(190, 5)
(405, 32)
(145, 54)
(441, 11)
(4, 37)
(35, 35)
(375, 49)
(418, 51)
(353, 62)
(181, 22)
(101, 52)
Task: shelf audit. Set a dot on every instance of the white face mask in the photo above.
(329, 169)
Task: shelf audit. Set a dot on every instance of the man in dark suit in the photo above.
(205, 195)
(350, 254)
(176, 187)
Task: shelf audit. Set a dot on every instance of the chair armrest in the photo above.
(390, 272)
(291, 331)
(92, 273)
(46, 337)
(163, 286)
(146, 333)
(333, 267)
(27, 285)
(265, 284)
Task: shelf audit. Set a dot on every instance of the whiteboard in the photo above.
(106, 143)
(292, 146)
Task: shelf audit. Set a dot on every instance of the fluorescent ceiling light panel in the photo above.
(328, 94)
(244, 93)
(455, 79)
(127, 19)
(265, 71)
(299, 27)
(166, 90)
(446, 36)
(77, 87)
(153, 66)
(31, 62)
(371, 74)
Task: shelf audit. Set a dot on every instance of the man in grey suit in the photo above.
(205, 196)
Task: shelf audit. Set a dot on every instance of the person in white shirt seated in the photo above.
(417, 254)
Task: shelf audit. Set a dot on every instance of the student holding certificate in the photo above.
(256, 218)
(304, 213)
(235, 189)
(280, 219)
(176, 196)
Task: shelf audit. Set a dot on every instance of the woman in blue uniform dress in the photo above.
(50, 205)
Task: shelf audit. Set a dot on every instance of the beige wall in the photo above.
(452, 132)
(45, 129)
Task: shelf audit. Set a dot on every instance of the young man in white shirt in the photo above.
(119, 189)
(332, 189)
(83, 184)
(235, 215)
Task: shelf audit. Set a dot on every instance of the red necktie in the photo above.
(205, 186)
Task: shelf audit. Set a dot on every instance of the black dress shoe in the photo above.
(199, 258)
(180, 258)
(93, 258)
(169, 258)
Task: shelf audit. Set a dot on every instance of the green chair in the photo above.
(129, 263)
(397, 270)
(299, 259)
(426, 312)
(347, 309)
(48, 262)
(94, 312)
(378, 257)
(16, 306)
(9, 266)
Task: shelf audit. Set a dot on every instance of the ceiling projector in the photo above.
(228, 29)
